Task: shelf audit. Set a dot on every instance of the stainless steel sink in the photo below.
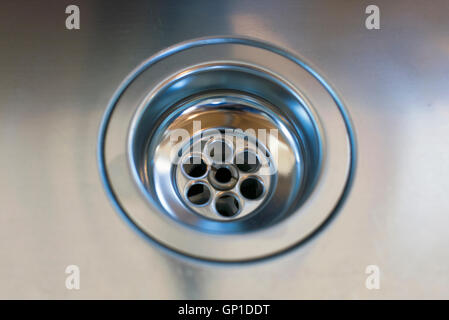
(90, 179)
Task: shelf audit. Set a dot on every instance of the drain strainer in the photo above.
(223, 175)
(225, 149)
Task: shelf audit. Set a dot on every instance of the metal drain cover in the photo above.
(226, 149)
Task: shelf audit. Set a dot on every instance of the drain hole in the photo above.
(198, 194)
(247, 161)
(227, 205)
(251, 188)
(195, 167)
(219, 151)
(223, 175)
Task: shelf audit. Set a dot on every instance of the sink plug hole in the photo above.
(195, 167)
(223, 175)
(198, 194)
(251, 188)
(227, 205)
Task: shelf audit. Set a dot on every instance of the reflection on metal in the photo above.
(233, 84)
(56, 83)
(229, 124)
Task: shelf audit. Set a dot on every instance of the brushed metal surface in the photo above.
(55, 85)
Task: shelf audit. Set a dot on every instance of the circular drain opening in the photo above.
(259, 86)
(251, 188)
(223, 175)
(227, 205)
(198, 194)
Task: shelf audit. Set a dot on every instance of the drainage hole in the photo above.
(223, 175)
(251, 188)
(227, 205)
(198, 194)
(247, 161)
(195, 167)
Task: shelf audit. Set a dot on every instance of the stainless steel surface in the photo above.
(54, 88)
(307, 114)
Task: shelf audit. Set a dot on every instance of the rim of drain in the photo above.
(304, 95)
